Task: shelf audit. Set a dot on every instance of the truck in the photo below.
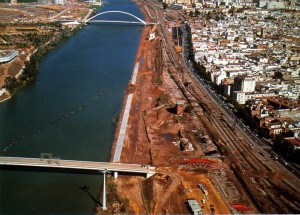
(203, 188)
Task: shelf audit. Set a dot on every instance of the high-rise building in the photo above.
(272, 5)
(45, 2)
(180, 1)
(292, 3)
(244, 84)
(60, 2)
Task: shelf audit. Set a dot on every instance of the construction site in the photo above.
(177, 126)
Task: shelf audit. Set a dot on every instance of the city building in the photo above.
(180, 1)
(8, 55)
(244, 84)
(276, 5)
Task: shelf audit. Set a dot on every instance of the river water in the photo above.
(69, 111)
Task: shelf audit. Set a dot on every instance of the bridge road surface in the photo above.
(80, 165)
(115, 21)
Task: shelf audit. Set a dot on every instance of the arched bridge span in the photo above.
(117, 11)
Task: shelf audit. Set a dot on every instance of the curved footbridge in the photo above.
(79, 165)
(137, 19)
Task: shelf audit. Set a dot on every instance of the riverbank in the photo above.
(131, 91)
(18, 72)
(128, 146)
(70, 107)
(155, 133)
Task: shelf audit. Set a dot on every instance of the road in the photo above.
(74, 164)
(60, 13)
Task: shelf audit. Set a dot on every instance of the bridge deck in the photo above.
(74, 164)
(115, 21)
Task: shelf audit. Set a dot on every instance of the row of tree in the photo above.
(43, 44)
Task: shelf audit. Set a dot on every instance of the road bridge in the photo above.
(79, 165)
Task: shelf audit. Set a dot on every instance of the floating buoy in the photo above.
(99, 95)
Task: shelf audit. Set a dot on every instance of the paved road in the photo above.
(74, 164)
(122, 132)
(60, 13)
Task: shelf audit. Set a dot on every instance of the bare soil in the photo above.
(153, 127)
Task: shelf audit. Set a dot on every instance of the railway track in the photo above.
(265, 181)
(250, 160)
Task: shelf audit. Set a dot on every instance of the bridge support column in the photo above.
(115, 174)
(104, 171)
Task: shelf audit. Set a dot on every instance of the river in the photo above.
(69, 111)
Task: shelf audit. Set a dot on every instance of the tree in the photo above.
(208, 15)
(231, 10)
(11, 84)
(278, 75)
(164, 5)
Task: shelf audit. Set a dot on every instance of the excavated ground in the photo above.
(153, 127)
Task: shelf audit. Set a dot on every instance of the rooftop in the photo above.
(293, 141)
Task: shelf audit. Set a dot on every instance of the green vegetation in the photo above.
(44, 43)
(26, 1)
(232, 10)
(30, 37)
(19, 1)
(197, 13)
(164, 5)
(96, 7)
(12, 84)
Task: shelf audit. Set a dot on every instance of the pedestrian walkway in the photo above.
(122, 132)
(135, 71)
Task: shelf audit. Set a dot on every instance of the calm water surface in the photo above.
(68, 111)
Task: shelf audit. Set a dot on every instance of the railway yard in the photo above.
(242, 173)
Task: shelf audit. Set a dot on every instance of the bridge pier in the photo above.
(149, 174)
(115, 175)
(104, 171)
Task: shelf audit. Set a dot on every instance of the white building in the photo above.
(275, 5)
(239, 97)
(8, 55)
(244, 84)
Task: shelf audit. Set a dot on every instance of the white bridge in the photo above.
(138, 21)
(79, 165)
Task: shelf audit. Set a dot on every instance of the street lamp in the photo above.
(104, 171)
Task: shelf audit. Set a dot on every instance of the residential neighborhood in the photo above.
(251, 57)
